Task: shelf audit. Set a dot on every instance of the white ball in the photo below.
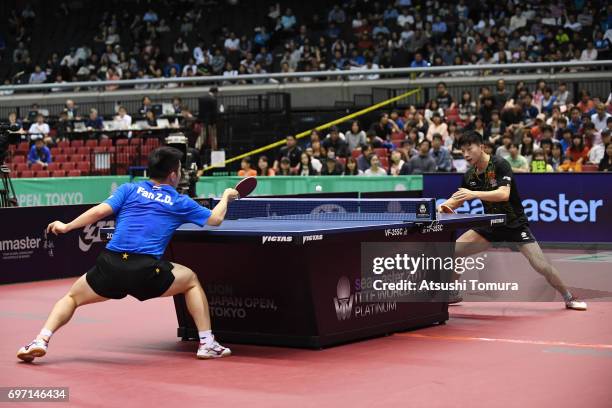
(319, 188)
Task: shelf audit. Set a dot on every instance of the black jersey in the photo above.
(497, 173)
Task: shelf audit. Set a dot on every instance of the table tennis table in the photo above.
(277, 271)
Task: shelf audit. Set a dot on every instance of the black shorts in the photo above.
(118, 274)
(517, 235)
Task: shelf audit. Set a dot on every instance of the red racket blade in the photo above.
(446, 209)
(246, 186)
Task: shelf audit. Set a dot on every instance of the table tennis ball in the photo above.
(319, 188)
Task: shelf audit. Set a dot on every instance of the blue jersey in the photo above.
(147, 215)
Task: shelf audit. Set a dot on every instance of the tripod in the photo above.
(7, 191)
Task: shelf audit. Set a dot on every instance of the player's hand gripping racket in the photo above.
(246, 186)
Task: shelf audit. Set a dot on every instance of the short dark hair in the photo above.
(163, 161)
(469, 138)
(436, 136)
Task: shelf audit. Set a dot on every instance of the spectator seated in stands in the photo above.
(151, 119)
(146, 106)
(556, 157)
(245, 168)
(332, 167)
(600, 117)
(284, 168)
(335, 140)
(39, 154)
(123, 120)
(440, 154)
(384, 127)
(436, 126)
(517, 162)
(351, 168)
(576, 155)
(504, 150)
(72, 112)
(263, 167)
(94, 121)
(606, 162)
(292, 151)
(40, 130)
(305, 167)
(598, 151)
(398, 160)
(363, 161)
(355, 137)
(422, 162)
(375, 168)
(539, 164)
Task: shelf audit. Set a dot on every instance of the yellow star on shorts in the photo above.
(156, 270)
(125, 256)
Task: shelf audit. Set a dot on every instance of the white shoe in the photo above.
(214, 350)
(36, 348)
(576, 304)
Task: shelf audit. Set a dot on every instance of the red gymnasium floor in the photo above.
(124, 353)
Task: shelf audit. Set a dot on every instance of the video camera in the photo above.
(189, 175)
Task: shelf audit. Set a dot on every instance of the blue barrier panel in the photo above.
(569, 207)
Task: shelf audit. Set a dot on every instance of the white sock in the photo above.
(206, 337)
(47, 333)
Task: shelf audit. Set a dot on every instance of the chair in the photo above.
(54, 166)
(69, 150)
(19, 159)
(83, 167)
(69, 166)
(106, 142)
(26, 173)
(60, 158)
(63, 144)
(356, 153)
(58, 173)
(135, 141)
(74, 173)
(42, 173)
(91, 143)
(55, 151)
(84, 150)
(122, 142)
(21, 166)
(76, 143)
(36, 167)
(23, 147)
(381, 152)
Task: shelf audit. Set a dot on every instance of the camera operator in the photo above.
(193, 164)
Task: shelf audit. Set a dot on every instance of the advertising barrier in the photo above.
(569, 207)
(65, 190)
(284, 185)
(28, 253)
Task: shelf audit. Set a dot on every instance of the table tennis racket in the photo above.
(246, 186)
(446, 209)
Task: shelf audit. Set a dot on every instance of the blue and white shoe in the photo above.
(214, 350)
(575, 304)
(36, 348)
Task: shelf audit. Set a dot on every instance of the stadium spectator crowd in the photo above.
(543, 129)
(349, 35)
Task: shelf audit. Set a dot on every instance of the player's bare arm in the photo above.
(90, 216)
(218, 213)
(500, 194)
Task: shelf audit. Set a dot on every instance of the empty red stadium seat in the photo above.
(341, 160)
(42, 173)
(384, 162)
(83, 167)
(136, 141)
(398, 136)
(36, 167)
(77, 143)
(356, 153)
(381, 152)
(21, 166)
(58, 173)
(19, 159)
(63, 144)
(83, 150)
(26, 173)
(74, 173)
(56, 151)
(23, 147)
(122, 142)
(152, 142)
(106, 142)
(54, 166)
(60, 158)
(91, 143)
(69, 150)
(69, 165)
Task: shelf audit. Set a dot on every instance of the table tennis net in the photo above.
(372, 209)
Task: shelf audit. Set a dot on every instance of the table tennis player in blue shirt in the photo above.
(147, 214)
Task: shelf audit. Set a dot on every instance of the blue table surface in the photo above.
(271, 226)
